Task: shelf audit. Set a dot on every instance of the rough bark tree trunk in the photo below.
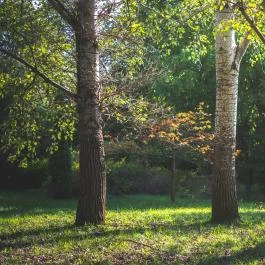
(228, 58)
(91, 204)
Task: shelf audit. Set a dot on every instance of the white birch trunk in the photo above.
(228, 57)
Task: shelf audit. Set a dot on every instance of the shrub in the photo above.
(128, 178)
(35, 173)
(60, 172)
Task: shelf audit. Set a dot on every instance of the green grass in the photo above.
(139, 230)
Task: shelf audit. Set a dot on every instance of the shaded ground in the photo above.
(139, 230)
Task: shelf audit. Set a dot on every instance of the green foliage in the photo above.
(36, 117)
(38, 168)
(157, 57)
(60, 172)
(134, 178)
(251, 128)
(138, 230)
(34, 127)
(31, 177)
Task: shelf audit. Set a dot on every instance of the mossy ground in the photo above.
(139, 229)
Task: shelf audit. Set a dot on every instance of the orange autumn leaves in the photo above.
(191, 131)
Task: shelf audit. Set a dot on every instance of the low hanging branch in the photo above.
(42, 75)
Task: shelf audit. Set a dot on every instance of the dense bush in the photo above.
(35, 173)
(60, 172)
(130, 177)
(13, 177)
(134, 176)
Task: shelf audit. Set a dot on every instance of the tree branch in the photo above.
(66, 14)
(42, 75)
(241, 49)
(251, 21)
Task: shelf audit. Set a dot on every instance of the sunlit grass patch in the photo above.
(138, 230)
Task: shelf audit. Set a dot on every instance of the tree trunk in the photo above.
(91, 204)
(224, 204)
(173, 179)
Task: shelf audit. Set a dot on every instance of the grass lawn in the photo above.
(139, 230)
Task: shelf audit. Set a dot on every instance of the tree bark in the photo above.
(224, 203)
(91, 204)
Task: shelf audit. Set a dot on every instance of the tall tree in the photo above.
(91, 205)
(228, 58)
(81, 16)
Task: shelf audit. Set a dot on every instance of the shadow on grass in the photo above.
(56, 234)
(38, 204)
(244, 255)
(53, 235)
(32, 203)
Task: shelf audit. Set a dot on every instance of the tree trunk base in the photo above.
(235, 220)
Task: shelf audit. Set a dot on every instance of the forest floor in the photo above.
(139, 229)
